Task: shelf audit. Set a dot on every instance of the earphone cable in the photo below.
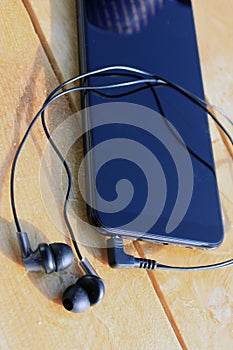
(200, 103)
(148, 262)
(141, 73)
(69, 186)
(153, 81)
(22, 142)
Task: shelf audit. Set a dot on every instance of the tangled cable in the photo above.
(139, 80)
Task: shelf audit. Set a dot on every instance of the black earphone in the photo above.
(87, 291)
(46, 258)
(90, 289)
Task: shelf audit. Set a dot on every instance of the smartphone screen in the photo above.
(157, 36)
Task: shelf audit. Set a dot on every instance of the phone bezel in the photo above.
(90, 192)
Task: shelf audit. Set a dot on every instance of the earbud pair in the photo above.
(88, 290)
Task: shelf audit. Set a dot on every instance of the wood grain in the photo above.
(56, 25)
(198, 304)
(31, 314)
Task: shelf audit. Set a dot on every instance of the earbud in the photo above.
(88, 290)
(49, 258)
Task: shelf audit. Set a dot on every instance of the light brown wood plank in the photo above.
(46, 18)
(201, 301)
(31, 313)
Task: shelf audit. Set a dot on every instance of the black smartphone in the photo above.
(176, 199)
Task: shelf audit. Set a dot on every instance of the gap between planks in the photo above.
(162, 299)
(48, 52)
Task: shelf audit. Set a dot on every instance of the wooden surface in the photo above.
(155, 310)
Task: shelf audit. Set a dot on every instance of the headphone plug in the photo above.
(117, 258)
